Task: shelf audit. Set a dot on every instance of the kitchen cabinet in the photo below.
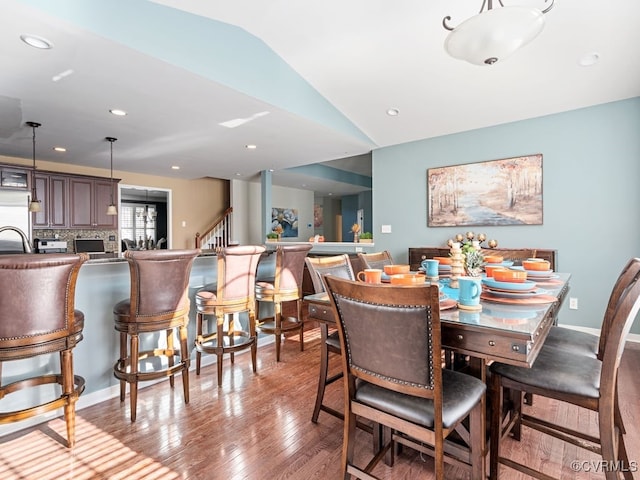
(89, 198)
(53, 193)
(12, 177)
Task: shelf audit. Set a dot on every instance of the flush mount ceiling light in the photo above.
(34, 204)
(495, 33)
(111, 209)
(117, 112)
(36, 42)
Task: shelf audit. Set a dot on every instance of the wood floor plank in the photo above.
(258, 426)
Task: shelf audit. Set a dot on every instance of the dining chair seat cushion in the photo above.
(122, 310)
(333, 340)
(573, 341)
(557, 371)
(460, 393)
(207, 295)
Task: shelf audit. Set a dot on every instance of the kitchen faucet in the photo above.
(26, 246)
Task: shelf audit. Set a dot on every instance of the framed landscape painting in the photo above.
(497, 192)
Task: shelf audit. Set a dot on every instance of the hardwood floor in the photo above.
(258, 427)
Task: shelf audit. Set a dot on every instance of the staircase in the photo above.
(217, 235)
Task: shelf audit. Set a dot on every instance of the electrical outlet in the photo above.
(573, 303)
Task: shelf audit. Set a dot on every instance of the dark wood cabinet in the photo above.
(53, 193)
(14, 177)
(89, 199)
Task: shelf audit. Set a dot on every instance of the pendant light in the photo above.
(34, 205)
(111, 209)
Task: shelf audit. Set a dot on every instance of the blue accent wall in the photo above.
(591, 188)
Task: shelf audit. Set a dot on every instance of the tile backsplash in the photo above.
(69, 235)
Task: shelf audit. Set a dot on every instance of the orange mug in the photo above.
(370, 275)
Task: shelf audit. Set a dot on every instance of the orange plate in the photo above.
(515, 276)
(395, 269)
(443, 260)
(532, 264)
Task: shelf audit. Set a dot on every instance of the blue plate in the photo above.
(503, 264)
(525, 286)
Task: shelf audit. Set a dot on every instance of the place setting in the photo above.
(513, 286)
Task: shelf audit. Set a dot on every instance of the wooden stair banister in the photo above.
(217, 235)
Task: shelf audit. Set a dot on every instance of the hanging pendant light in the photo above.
(495, 33)
(34, 205)
(111, 209)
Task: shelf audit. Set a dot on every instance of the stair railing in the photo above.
(217, 235)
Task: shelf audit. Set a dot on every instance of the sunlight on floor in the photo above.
(38, 455)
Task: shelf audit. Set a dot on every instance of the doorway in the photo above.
(144, 220)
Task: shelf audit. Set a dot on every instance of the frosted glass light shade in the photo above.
(493, 35)
(34, 206)
(112, 210)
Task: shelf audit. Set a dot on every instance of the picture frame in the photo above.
(500, 192)
(287, 219)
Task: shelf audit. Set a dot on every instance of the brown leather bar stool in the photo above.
(286, 287)
(159, 301)
(38, 316)
(233, 292)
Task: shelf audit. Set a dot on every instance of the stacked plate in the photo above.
(538, 275)
(526, 289)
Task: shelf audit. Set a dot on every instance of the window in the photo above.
(138, 223)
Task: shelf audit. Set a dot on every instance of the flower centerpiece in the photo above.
(355, 229)
(471, 246)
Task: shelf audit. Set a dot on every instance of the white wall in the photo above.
(247, 204)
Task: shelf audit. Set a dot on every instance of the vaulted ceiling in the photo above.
(304, 82)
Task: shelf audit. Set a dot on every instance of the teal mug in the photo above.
(430, 267)
(469, 291)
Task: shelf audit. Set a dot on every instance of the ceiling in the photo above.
(305, 82)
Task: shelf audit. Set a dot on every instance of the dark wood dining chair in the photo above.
(37, 317)
(375, 259)
(393, 376)
(286, 287)
(158, 302)
(583, 343)
(231, 294)
(587, 344)
(584, 381)
(339, 266)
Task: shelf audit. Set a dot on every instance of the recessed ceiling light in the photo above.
(589, 59)
(118, 112)
(36, 42)
(175, 167)
(251, 146)
(238, 174)
(60, 149)
(393, 112)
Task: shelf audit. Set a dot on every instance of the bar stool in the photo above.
(286, 287)
(158, 302)
(38, 316)
(233, 292)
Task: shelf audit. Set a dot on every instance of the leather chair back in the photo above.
(159, 283)
(37, 303)
(336, 265)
